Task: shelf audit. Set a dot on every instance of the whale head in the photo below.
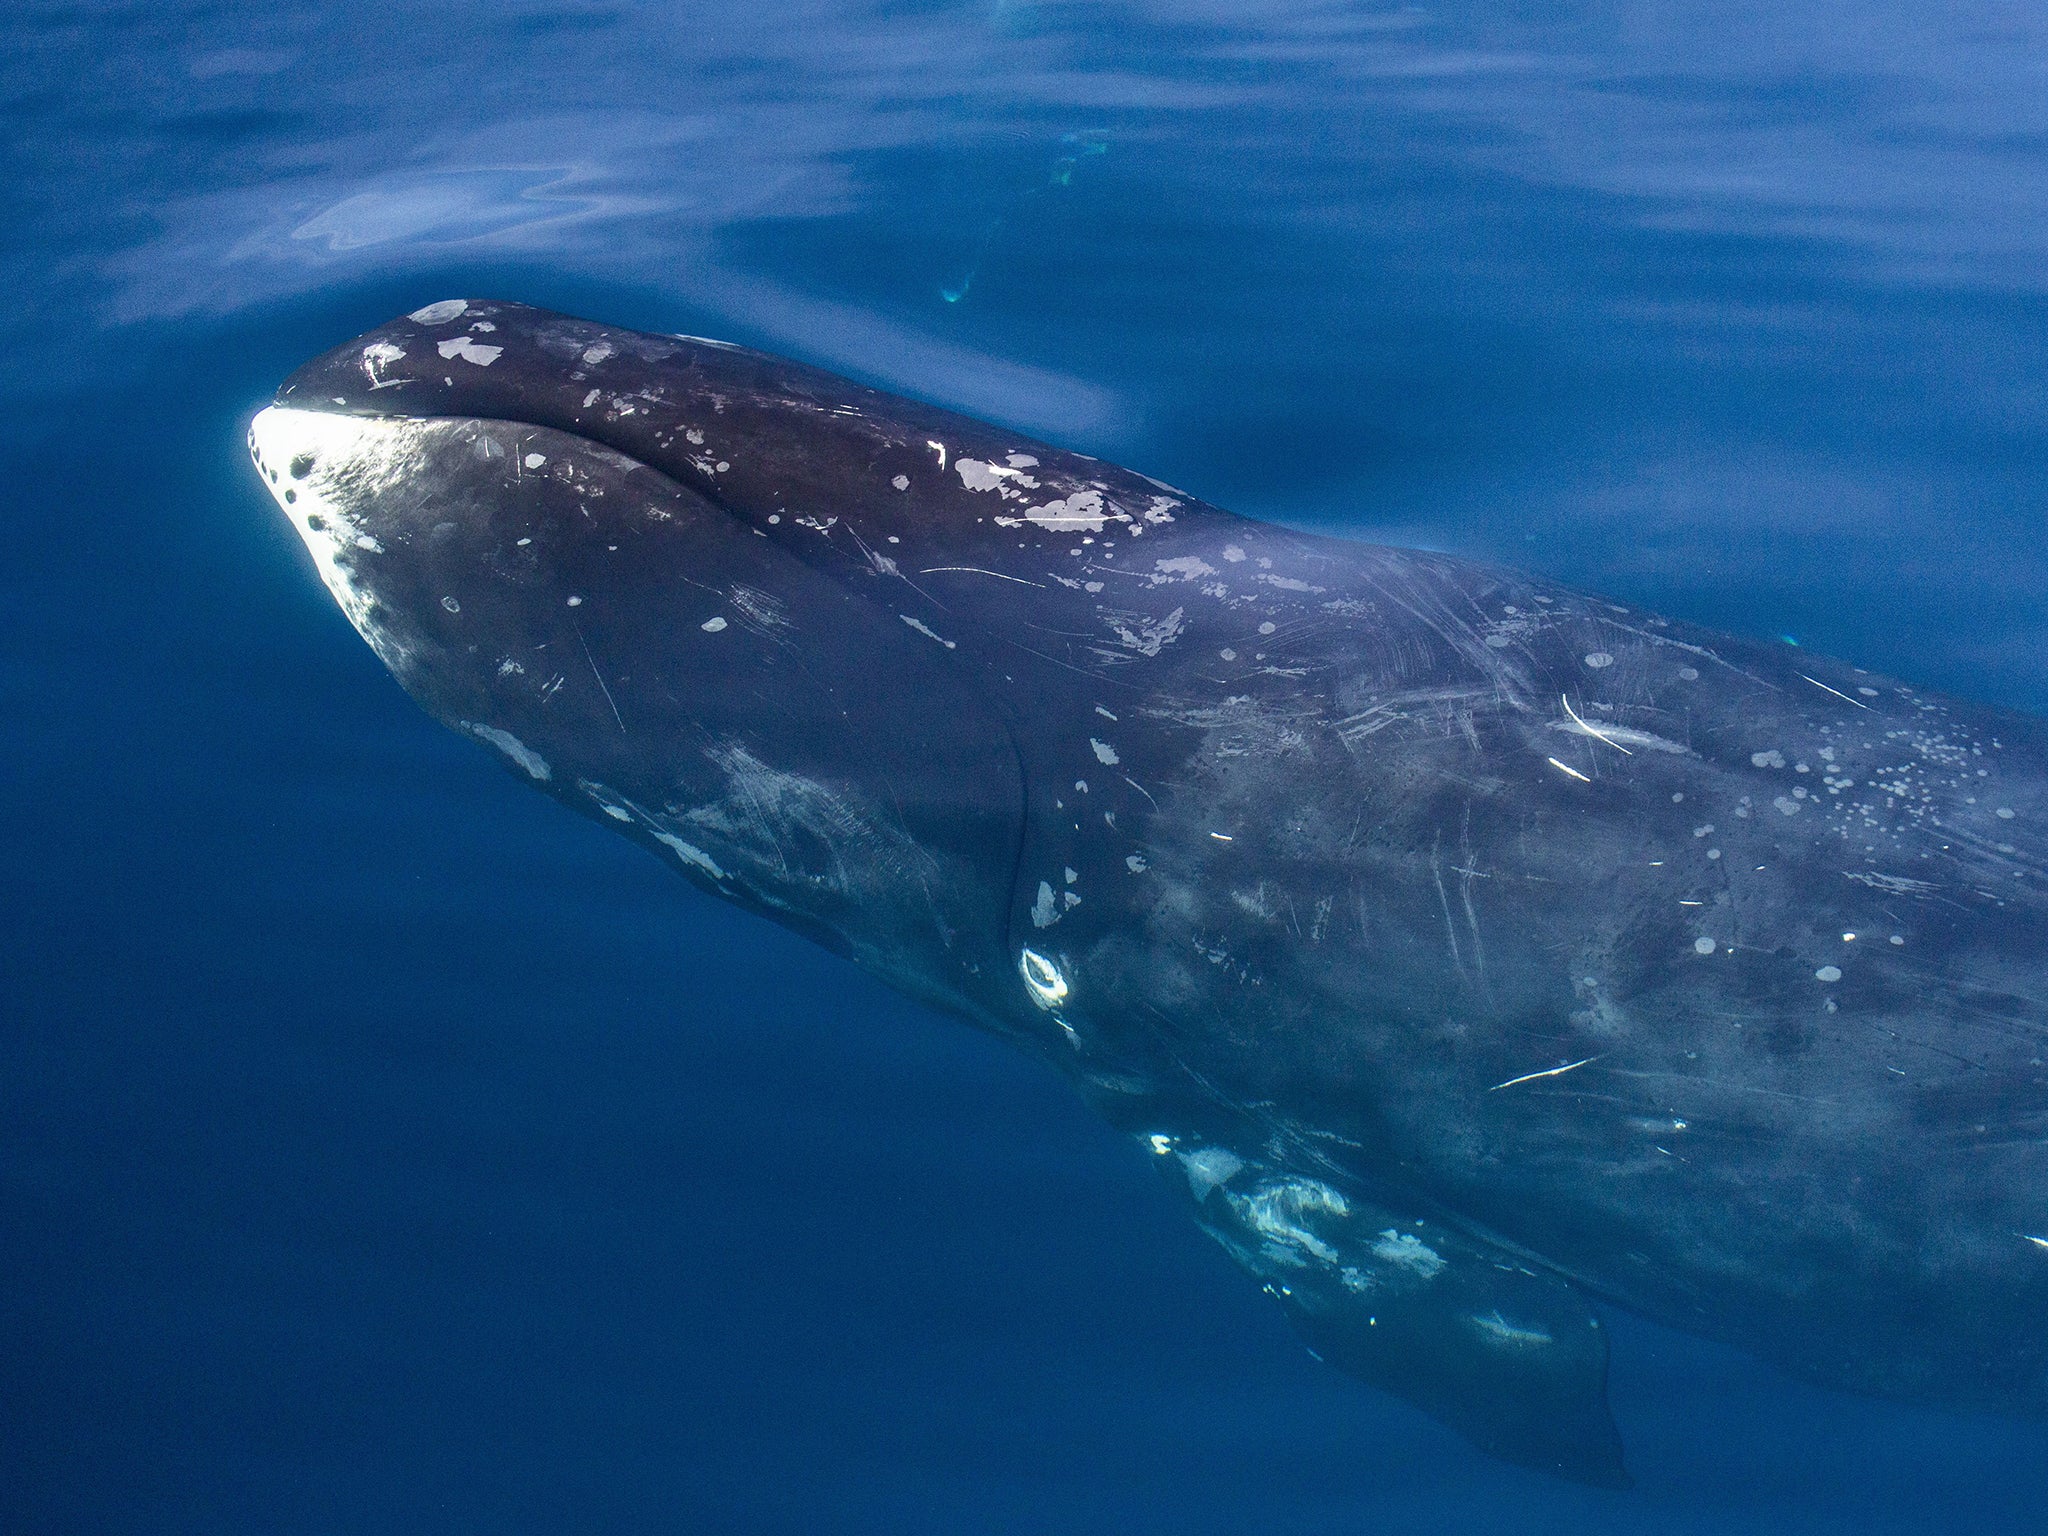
(654, 659)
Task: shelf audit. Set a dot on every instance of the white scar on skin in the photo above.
(1590, 730)
(1530, 1077)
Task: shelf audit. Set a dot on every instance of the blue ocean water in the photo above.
(384, 1149)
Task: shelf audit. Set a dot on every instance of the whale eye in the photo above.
(1042, 979)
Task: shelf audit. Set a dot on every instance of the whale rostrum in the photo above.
(1466, 949)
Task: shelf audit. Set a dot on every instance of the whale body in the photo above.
(1470, 952)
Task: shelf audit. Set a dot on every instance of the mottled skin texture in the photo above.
(1463, 945)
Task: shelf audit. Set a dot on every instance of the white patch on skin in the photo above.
(1232, 553)
(1151, 635)
(1045, 911)
(596, 353)
(1703, 945)
(1599, 659)
(922, 629)
(1408, 1252)
(1828, 973)
(1786, 805)
(1771, 759)
(1279, 1211)
(353, 458)
(1135, 863)
(591, 399)
(977, 476)
(1161, 510)
(470, 351)
(1105, 754)
(901, 482)
(1289, 584)
(1186, 567)
(620, 808)
(535, 765)
(1080, 512)
(441, 313)
(1020, 460)
(1209, 1167)
(713, 625)
(378, 356)
(689, 853)
(535, 460)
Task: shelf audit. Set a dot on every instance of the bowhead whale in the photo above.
(1470, 952)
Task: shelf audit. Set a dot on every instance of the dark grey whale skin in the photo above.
(1463, 946)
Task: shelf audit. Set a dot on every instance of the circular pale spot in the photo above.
(1227, 654)
(2005, 813)
(1898, 938)
(1599, 659)
(1703, 945)
(901, 482)
(712, 626)
(1498, 642)
(451, 605)
(575, 602)
(1828, 973)
(1690, 674)
(1266, 628)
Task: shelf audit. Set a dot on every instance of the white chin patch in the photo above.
(320, 468)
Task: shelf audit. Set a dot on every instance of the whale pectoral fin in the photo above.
(1514, 1361)
(1511, 1358)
